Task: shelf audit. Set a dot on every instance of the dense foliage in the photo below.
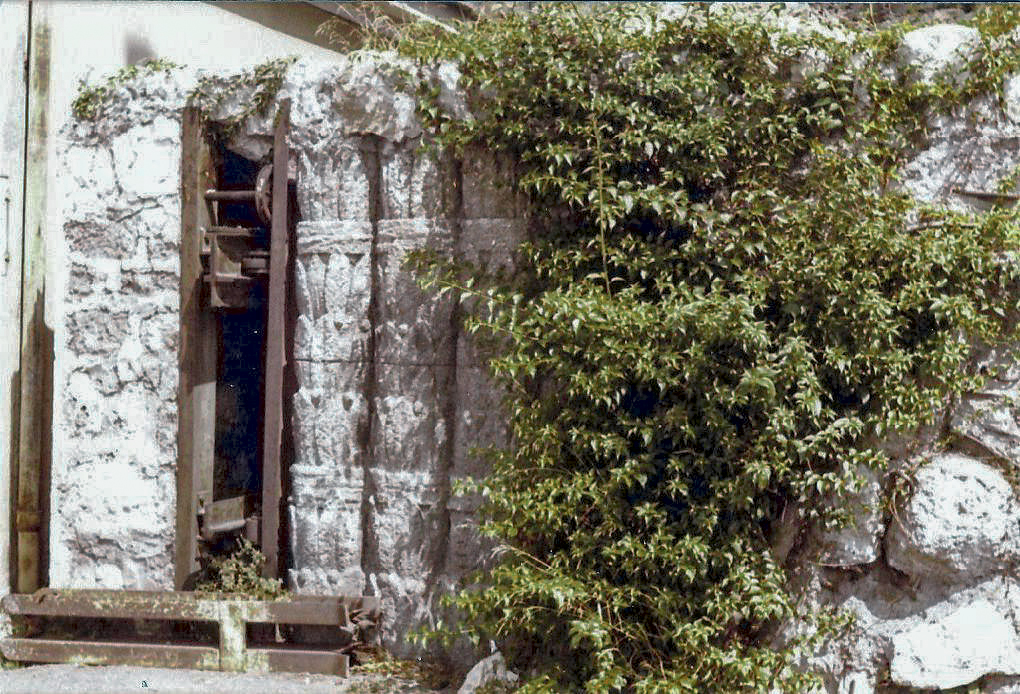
(725, 296)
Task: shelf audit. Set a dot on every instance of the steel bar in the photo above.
(102, 604)
(110, 653)
(229, 195)
(242, 232)
(187, 606)
(990, 196)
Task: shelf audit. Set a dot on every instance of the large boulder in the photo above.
(955, 649)
(960, 523)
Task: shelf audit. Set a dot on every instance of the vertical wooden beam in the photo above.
(14, 26)
(35, 435)
(275, 345)
(198, 345)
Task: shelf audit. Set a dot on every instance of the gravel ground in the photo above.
(61, 679)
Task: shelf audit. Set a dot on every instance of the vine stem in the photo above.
(601, 186)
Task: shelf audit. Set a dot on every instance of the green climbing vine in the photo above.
(725, 295)
(92, 100)
(258, 85)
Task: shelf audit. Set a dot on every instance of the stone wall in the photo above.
(932, 576)
(390, 397)
(115, 425)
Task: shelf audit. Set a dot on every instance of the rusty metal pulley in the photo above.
(264, 194)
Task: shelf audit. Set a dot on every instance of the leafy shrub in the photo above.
(240, 573)
(725, 295)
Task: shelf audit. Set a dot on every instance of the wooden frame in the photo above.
(198, 346)
(231, 614)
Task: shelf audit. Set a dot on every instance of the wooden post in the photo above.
(275, 345)
(36, 403)
(199, 337)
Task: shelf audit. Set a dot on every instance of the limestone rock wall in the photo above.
(115, 424)
(932, 578)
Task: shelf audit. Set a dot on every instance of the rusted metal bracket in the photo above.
(987, 196)
(234, 653)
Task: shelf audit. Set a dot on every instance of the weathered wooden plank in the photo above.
(297, 660)
(114, 605)
(140, 604)
(275, 345)
(323, 611)
(199, 335)
(110, 653)
(224, 515)
(13, 92)
(36, 402)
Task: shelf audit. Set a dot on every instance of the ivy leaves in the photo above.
(724, 297)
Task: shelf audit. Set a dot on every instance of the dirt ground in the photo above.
(78, 679)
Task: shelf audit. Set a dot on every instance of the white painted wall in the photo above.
(13, 28)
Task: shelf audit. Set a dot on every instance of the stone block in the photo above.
(415, 184)
(479, 420)
(412, 327)
(96, 331)
(407, 524)
(410, 431)
(486, 184)
(326, 528)
(407, 601)
(468, 550)
(961, 522)
(113, 515)
(92, 238)
(144, 283)
(859, 541)
(955, 649)
(330, 415)
(144, 167)
(931, 50)
(333, 285)
(90, 170)
(333, 179)
(310, 580)
(989, 418)
(491, 242)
